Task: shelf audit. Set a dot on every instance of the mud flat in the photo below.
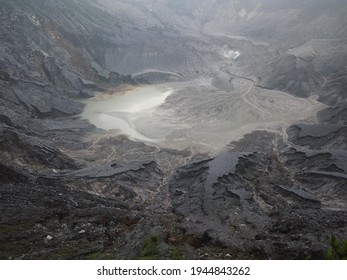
(197, 115)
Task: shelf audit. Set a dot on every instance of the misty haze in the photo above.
(182, 129)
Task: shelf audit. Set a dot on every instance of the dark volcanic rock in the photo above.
(255, 194)
(319, 136)
(81, 225)
(28, 150)
(334, 114)
(294, 75)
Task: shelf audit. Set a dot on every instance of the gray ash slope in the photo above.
(71, 191)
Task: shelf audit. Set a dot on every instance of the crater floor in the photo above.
(196, 114)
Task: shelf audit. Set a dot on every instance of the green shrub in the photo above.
(338, 250)
(150, 249)
(176, 253)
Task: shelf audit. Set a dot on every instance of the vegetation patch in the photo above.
(176, 253)
(150, 249)
(338, 249)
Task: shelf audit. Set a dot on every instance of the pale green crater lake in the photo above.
(119, 111)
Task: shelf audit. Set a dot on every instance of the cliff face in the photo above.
(308, 37)
(74, 44)
(54, 43)
(69, 190)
